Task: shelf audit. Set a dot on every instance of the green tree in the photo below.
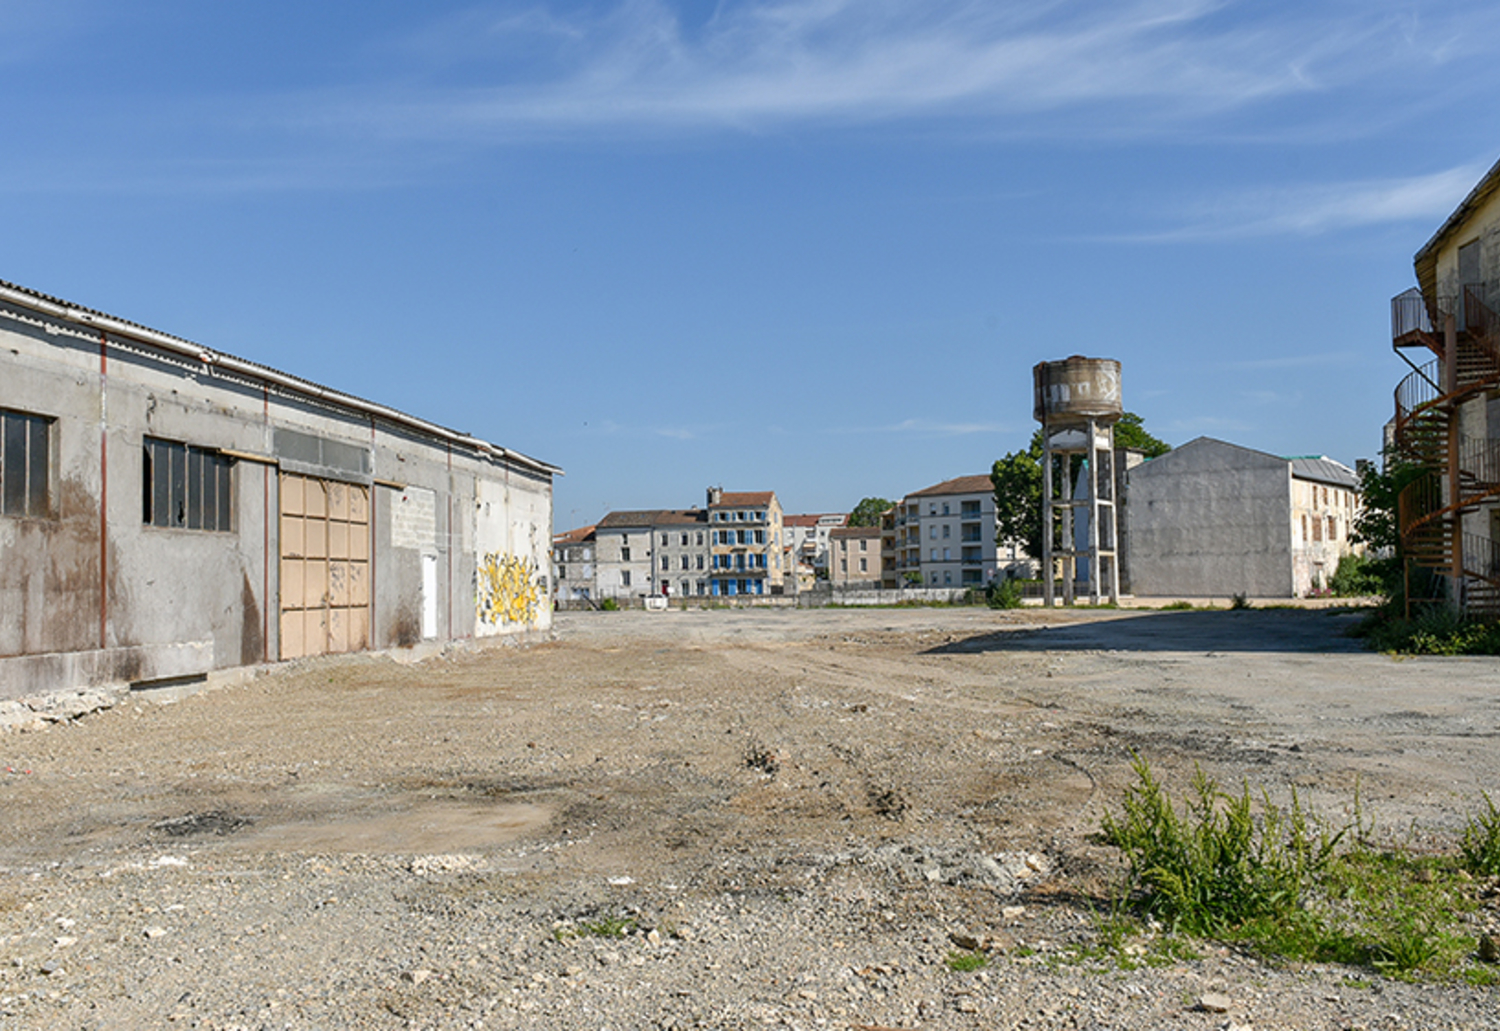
(1379, 487)
(1018, 497)
(867, 512)
(1018, 482)
(1130, 433)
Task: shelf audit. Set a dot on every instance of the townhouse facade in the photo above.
(854, 555)
(573, 566)
(746, 555)
(736, 546)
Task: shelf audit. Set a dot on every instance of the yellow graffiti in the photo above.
(506, 590)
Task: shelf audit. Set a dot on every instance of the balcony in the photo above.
(1411, 323)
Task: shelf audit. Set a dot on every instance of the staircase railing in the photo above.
(1418, 389)
(1482, 557)
(1479, 467)
(1430, 509)
(1409, 317)
(1417, 504)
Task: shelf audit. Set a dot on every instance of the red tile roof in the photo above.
(745, 500)
(961, 485)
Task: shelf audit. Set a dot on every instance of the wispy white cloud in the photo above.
(1309, 210)
(764, 65)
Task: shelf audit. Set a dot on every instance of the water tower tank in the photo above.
(1077, 389)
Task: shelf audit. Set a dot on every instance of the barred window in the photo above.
(25, 465)
(186, 487)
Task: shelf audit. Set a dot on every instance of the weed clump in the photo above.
(1480, 848)
(967, 961)
(1215, 866)
(1283, 882)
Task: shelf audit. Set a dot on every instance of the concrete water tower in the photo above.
(1077, 401)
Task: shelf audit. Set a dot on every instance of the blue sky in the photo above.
(810, 247)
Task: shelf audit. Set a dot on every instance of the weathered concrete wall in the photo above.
(1210, 519)
(92, 580)
(512, 532)
(92, 593)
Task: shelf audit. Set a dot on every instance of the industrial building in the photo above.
(1213, 519)
(167, 510)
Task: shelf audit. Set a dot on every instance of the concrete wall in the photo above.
(91, 593)
(1210, 519)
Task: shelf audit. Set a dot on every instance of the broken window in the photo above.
(25, 465)
(186, 487)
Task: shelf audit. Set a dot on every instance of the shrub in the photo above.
(609, 605)
(1437, 631)
(1004, 594)
(1358, 576)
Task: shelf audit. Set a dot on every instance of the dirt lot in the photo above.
(789, 814)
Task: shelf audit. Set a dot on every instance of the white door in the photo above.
(429, 596)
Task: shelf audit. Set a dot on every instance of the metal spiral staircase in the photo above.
(1455, 475)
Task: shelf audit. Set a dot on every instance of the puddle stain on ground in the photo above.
(430, 827)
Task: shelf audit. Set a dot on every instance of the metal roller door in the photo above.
(325, 566)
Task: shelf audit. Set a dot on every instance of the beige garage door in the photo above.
(325, 566)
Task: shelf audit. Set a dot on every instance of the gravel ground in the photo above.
(712, 819)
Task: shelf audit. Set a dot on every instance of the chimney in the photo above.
(714, 494)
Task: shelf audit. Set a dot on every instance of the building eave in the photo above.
(111, 325)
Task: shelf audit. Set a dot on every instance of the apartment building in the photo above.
(680, 553)
(956, 524)
(944, 536)
(807, 537)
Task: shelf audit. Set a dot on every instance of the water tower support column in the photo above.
(1048, 591)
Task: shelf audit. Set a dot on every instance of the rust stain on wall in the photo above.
(50, 578)
(252, 641)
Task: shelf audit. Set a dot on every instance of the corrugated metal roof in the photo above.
(1323, 469)
(124, 327)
